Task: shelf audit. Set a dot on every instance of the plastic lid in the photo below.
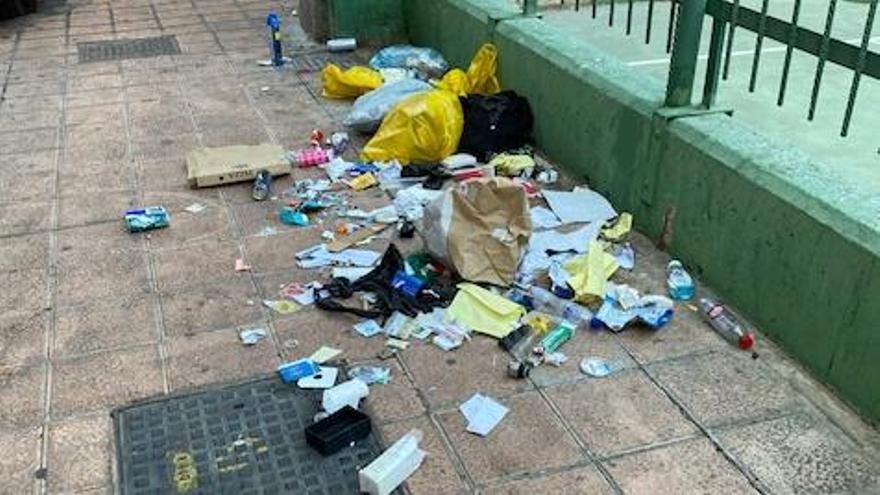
(746, 341)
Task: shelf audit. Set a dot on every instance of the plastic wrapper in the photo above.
(368, 111)
(428, 62)
(423, 128)
(350, 83)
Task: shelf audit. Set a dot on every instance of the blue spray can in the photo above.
(274, 23)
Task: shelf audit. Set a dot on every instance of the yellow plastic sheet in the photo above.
(480, 77)
(484, 312)
(350, 83)
(589, 273)
(423, 128)
(620, 229)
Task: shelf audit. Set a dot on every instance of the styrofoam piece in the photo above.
(347, 393)
(394, 466)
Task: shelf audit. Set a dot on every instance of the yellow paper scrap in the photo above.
(512, 165)
(620, 229)
(590, 273)
(484, 312)
(397, 343)
(324, 354)
(363, 181)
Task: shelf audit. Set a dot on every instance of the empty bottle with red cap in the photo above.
(726, 324)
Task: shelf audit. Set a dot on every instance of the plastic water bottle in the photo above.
(679, 282)
(544, 300)
(274, 23)
(726, 324)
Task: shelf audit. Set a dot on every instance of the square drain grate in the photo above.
(239, 439)
(315, 62)
(107, 51)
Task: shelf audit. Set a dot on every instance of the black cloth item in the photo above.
(493, 124)
(379, 282)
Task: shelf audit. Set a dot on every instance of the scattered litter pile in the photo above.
(505, 253)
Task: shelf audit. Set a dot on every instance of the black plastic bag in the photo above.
(493, 124)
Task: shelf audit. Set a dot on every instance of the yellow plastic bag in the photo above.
(350, 83)
(456, 81)
(481, 73)
(480, 77)
(424, 128)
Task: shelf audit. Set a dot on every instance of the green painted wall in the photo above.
(792, 250)
(372, 22)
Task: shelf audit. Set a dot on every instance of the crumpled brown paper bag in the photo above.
(479, 229)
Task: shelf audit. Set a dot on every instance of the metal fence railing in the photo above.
(685, 28)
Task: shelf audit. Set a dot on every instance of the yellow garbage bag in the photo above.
(480, 77)
(350, 83)
(481, 73)
(423, 128)
(456, 81)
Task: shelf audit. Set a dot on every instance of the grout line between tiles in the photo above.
(41, 485)
(237, 231)
(705, 431)
(585, 450)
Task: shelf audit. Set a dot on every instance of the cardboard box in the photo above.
(208, 167)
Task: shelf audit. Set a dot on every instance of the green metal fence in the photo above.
(685, 30)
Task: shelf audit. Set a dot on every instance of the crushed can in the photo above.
(148, 218)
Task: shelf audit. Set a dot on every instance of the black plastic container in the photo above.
(337, 431)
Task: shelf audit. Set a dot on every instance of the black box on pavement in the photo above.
(337, 431)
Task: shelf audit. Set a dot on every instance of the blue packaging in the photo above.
(294, 370)
(406, 283)
(148, 218)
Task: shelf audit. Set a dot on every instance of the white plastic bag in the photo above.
(368, 110)
(428, 62)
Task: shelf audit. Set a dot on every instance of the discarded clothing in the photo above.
(388, 300)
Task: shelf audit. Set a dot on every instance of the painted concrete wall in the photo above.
(372, 22)
(788, 247)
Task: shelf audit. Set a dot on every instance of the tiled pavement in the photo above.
(92, 318)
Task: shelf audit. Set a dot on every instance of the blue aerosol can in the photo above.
(274, 23)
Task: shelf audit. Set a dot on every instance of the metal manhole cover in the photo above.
(239, 439)
(104, 51)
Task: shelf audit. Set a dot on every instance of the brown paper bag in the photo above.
(479, 229)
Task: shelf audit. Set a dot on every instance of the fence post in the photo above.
(713, 67)
(683, 67)
(530, 7)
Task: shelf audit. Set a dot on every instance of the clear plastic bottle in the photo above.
(726, 324)
(679, 282)
(548, 302)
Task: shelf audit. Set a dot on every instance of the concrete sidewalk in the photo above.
(853, 161)
(92, 318)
